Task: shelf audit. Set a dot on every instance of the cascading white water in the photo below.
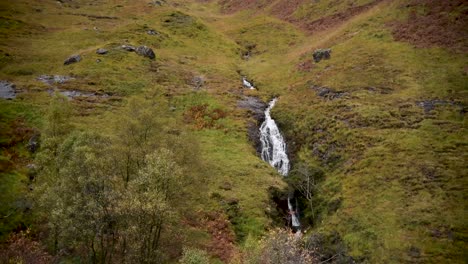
(247, 84)
(273, 145)
(274, 152)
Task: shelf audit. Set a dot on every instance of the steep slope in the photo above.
(383, 119)
(195, 74)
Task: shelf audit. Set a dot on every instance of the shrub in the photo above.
(194, 256)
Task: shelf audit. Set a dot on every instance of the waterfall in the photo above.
(247, 84)
(274, 152)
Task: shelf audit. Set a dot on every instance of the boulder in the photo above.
(72, 59)
(198, 82)
(145, 52)
(321, 54)
(101, 51)
(33, 144)
(7, 90)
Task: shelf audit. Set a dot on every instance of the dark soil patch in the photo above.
(441, 23)
(332, 20)
(284, 9)
(305, 66)
(232, 6)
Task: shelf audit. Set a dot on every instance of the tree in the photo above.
(304, 179)
(57, 127)
(138, 131)
(80, 202)
(148, 205)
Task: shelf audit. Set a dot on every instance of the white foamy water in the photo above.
(274, 152)
(247, 84)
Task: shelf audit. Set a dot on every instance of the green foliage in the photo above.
(194, 256)
(392, 186)
(281, 246)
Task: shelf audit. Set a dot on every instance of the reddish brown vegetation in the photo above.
(201, 116)
(443, 23)
(334, 20)
(231, 6)
(222, 236)
(16, 133)
(285, 9)
(305, 66)
(21, 249)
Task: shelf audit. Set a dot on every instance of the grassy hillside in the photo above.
(383, 118)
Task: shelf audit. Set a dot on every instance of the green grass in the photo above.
(398, 171)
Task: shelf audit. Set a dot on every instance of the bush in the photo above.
(280, 246)
(194, 256)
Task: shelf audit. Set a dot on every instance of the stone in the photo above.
(72, 59)
(152, 32)
(7, 90)
(321, 54)
(101, 51)
(198, 82)
(429, 105)
(256, 108)
(34, 143)
(145, 52)
(32, 171)
(328, 93)
(54, 79)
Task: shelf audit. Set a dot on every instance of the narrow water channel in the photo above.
(273, 151)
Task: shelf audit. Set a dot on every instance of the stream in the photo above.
(273, 151)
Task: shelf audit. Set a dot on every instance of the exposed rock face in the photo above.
(256, 109)
(54, 79)
(429, 105)
(198, 82)
(7, 90)
(101, 51)
(328, 93)
(152, 32)
(72, 59)
(72, 94)
(33, 144)
(321, 54)
(145, 52)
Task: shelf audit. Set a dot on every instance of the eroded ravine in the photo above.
(273, 151)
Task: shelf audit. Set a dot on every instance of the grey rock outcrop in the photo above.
(256, 109)
(198, 82)
(34, 143)
(321, 54)
(7, 90)
(72, 59)
(145, 52)
(54, 79)
(328, 93)
(152, 32)
(101, 51)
